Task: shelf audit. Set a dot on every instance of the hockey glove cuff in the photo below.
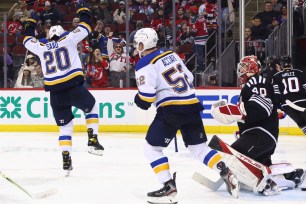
(144, 105)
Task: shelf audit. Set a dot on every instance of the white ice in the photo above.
(121, 175)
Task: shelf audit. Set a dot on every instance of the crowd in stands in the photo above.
(103, 52)
(269, 20)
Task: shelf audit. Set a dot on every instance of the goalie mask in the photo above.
(248, 67)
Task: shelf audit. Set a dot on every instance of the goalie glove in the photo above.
(228, 113)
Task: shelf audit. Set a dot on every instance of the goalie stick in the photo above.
(294, 106)
(212, 185)
(40, 195)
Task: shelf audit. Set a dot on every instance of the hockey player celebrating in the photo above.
(63, 78)
(290, 91)
(256, 114)
(163, 79)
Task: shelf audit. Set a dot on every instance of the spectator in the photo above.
(97, 69)
(181, 17)
(274, 26)
(248, 34)
(50, 13)
(99, 40)
(193, 14)
(276, 6)
(250, 43)
(19, 7)
(14, 26)
(117, 59)
(24, 80)
(186, 35)
(283, 16)
(298, 22)
(139, 25)
(38, 78)
(45, 31)
(201, 34)
(259, 30)
(267, 15)
(30, 63)
(159, 20)
(145, 7)
(103, 13)
(119, 14)
(75, 23)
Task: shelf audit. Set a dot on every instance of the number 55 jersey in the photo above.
(60, 61)
(163, 79)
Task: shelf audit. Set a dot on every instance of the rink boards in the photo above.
(29, 110)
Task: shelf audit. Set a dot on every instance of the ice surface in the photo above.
(121, 175)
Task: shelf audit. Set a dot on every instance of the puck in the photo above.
(303, 189)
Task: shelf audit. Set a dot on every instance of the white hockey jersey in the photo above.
(60, 61)
(163, 78)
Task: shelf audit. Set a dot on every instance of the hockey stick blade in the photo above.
(212, 185)
(296, 107)
(45, 194)
(40, 195)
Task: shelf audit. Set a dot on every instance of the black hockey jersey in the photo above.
(257, 96)
(289, 84)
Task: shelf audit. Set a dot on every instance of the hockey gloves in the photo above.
(30, 24)
(144, 105)
(228, 113)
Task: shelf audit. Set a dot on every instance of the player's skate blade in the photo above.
(67, 163)
(163, 200)
(166, 194)
(93, 150)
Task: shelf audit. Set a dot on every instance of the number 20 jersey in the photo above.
(60, 61)
(163, 79)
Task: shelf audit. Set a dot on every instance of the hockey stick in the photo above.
(40, 195)
(212, 185)
(296, 107)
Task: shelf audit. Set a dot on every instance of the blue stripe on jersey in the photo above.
(91, 116)
(64, 34)
(159, 162)
(26, 39)
(148, 58)
(209, 156)
(83, 26)
(175, 98)
(147, 94)
(43, 40)
(63, 76)
(64, 137)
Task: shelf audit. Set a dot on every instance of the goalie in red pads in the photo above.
(257, 118)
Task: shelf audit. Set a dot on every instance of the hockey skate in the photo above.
(232, 184)
(94, 146)
(270, 189)
(165, 195)
(297, 176)
(67, 162)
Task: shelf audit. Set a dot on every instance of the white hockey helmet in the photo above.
(56, 30)
(147, 36)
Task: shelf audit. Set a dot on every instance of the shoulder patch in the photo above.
(76, 30)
